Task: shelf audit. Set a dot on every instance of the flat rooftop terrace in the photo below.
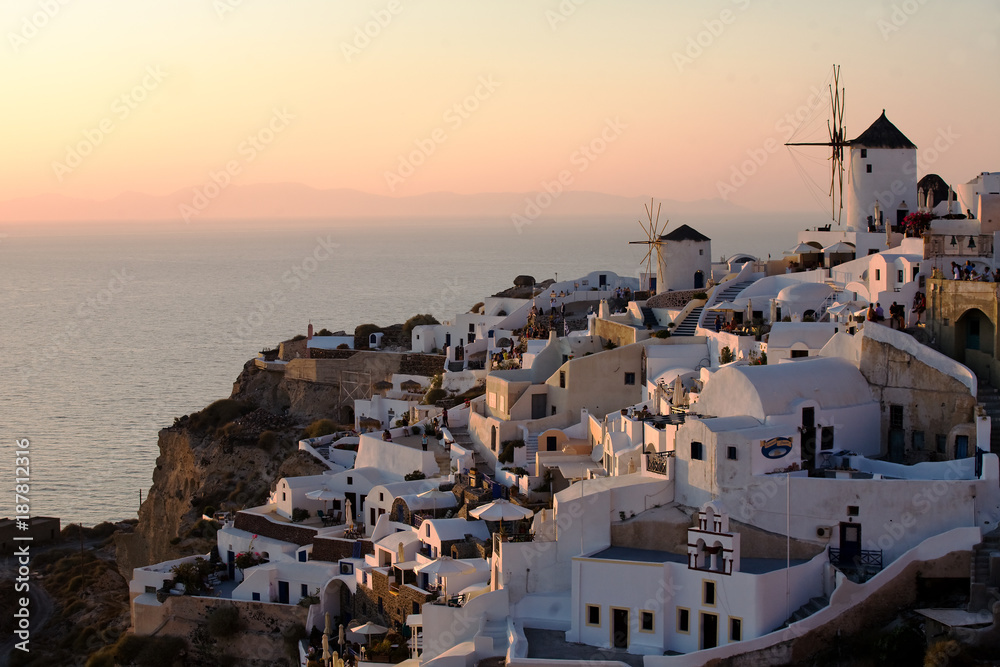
(748, 565)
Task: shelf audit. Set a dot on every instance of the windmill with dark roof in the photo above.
(882, 177)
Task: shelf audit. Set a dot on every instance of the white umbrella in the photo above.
(323, 494)
(349, 514)
(326, 648)
(444, 567)
(802, 249)
(501, 510)
(725, 305)
(369, 629)
(328, 630)
(839, 248)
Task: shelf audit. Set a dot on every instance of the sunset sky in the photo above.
(107, 97)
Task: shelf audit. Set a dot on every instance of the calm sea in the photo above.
(108, 332)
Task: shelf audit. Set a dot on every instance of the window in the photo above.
(735, 629)
(941, 442)
(380, 496)
(350, 480)
(151, 589)
(645, 621)
(593, 614)
(697, 451)
(255, 597)
(864, 152)
(472, 328)
(305, 590)
(283, 496)
(918, 441)
(878, 274)
(853, 510)
(798, 354)
(826, 437)
(895, 416)
(553, 409)
(683, 620)
(630, 378)
(899, 276)
(562, 379)
(708, 593)
(416, 608)
(427, 530)
(701, 251)
(731, 453)
(868, 168)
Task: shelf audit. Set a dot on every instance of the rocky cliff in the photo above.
(225, 457)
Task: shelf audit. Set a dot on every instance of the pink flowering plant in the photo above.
(249, 558)
(915, 224)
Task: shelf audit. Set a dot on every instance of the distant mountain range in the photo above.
(292, 201)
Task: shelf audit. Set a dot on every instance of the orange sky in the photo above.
(105, 97)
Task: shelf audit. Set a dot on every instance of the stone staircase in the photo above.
(530, 450)
(984, 575)
(462, 439)
(989, 398)
(648, 317)
(806, 610)
(690, 323)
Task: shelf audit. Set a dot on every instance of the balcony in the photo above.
(657, 462)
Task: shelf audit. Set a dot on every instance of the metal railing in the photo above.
(855, 559)
(656, 462)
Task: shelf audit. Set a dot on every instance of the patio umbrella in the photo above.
(410, 385)
(323, 494)
(501, 510)
(803, 249)
(369, 629)
(341, 638)
(839, 248)
(444, 567)
(370, 422)
(725, 305)
(348, 514)
(329, 626)
(326, 648)
(382, 385)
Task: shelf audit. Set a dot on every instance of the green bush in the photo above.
(415, 321)
(416, 474)
(725, 355)
(325, 332)
(415, 430)
(506, 454)
(700, 295)
(433, 396)
(319, 428)
(297, 338)
(299, 514)
(224, 621)
(662, 333)
(362, 332)
(219, 413)
(268, 440)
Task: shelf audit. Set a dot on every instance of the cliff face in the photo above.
(228, 456)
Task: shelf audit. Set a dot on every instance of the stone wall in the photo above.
(259, 641)
(396, 605)
(334, 549)
(318, 353)
(293, 349)
(254, 523)
(677, 299)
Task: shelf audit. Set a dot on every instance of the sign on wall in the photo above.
(775, 448)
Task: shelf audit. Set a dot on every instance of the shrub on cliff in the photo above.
(219, 413)
(319, 428)
(416, 321)
(142, 650)
(362, 332)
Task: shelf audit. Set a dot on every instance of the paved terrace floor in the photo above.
(552, 644)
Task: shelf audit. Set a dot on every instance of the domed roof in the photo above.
(805, 292)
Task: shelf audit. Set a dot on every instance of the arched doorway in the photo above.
(493, 438)
(974, 334)
(346, 414)
(699, 280)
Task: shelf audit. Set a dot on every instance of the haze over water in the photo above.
(111, 331)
